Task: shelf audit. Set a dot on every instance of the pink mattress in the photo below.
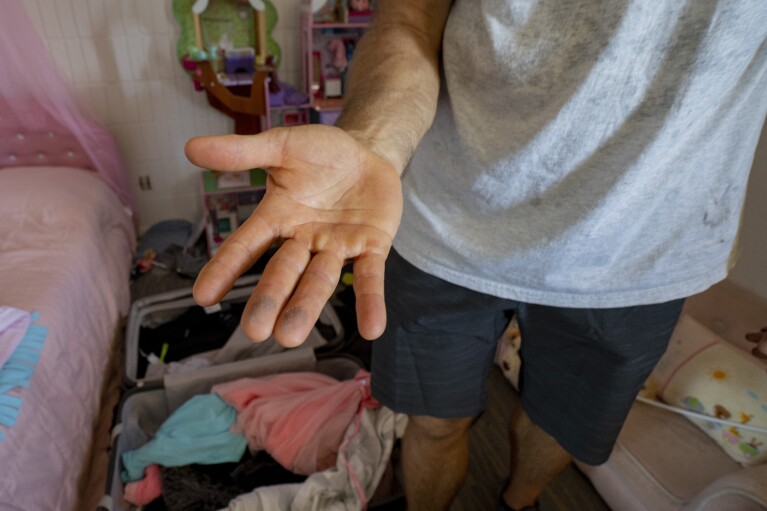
(66, 244)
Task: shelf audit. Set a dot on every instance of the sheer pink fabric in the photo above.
(40, 122)
(298, 418)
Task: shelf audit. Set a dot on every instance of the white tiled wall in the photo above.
(120, 57)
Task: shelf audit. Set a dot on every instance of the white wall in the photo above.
(120, 57)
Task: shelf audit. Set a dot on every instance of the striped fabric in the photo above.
(27, 339)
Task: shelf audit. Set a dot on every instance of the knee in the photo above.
(433, 429)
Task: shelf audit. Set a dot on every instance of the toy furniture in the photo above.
(224, 44)
(664, 462)
(328, 38)
(259, 8)
(240, 61)
(228, 199)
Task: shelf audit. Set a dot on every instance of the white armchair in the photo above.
(662, 461)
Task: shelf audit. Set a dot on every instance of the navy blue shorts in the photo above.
(581, 368)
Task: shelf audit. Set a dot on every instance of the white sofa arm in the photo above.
(742, 490)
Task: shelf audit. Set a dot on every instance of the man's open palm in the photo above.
(331, 200)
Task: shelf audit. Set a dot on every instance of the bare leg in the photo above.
(536, 458)
(435, 458)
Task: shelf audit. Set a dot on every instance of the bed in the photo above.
(67, 234)
(65, 251)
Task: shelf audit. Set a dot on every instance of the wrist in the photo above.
(380, 147)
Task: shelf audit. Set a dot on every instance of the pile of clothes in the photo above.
(288, 441)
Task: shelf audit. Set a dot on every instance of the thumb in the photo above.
(238, 152)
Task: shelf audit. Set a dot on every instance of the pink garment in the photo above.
(298, 418)
(141, 493)
(40, 122)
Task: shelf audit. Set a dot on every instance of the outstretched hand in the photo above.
(331, 200)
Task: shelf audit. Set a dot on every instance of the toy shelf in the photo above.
(327, 46)
(328, 104)
(228, 199)
(324, 25)
(289, 107)
(228, 51)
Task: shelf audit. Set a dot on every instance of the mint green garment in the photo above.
(198, 432)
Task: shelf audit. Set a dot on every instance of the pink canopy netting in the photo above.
(40, 121)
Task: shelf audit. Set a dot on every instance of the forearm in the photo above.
(393, 82)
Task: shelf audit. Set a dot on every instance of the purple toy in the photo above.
(240, 61)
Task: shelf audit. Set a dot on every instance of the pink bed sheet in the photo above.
(66, 244)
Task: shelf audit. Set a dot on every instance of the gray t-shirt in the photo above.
(591, 153)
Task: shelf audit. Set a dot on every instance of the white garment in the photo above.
(361, 462)
(13, 325)
(591, 153)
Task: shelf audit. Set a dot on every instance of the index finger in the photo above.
(235, 256)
